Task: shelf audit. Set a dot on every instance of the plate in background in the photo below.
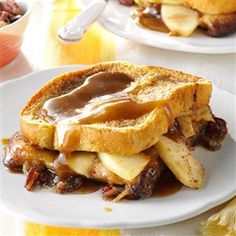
(116, 18)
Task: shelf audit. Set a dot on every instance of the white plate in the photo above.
(87, 210)
(116, 18)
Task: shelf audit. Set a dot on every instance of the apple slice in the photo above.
(127, 167)
(81, 162)
(186, 168)
(180, 20)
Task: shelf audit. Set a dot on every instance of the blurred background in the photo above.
(42, 49)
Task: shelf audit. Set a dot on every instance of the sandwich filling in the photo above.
(138, 176)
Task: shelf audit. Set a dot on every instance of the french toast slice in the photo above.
(172, 91)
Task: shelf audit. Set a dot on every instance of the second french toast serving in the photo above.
(183, 17)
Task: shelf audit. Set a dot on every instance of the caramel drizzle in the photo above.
(103, 97)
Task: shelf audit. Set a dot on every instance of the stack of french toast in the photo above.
(183, 17)
(120, 124)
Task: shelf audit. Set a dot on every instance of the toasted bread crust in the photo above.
(180, 92)
(218, 25)
(213, 7)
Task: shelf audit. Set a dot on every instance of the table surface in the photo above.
(220, 69)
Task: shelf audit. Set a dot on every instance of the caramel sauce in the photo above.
(167, 185)
(83, 102)
(150, 18)
(107, 209)
(90, 186)
(176, 136)
(102, 97)
(61, 168)
(152, 22)
(5, 141)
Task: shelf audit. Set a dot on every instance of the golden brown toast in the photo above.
(172, 91)
(213, 7)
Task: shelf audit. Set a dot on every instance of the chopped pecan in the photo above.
(70, 184)
(110, 191)
(126, 2)
(31, 179)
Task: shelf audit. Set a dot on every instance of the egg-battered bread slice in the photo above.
(157, 95)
